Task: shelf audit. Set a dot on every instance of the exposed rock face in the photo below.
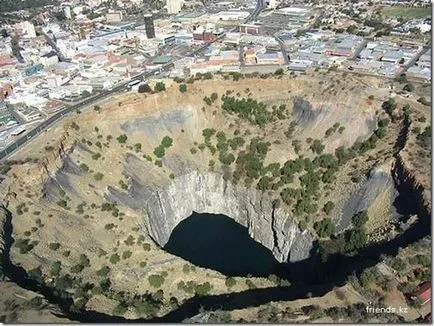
(376, 195)
(3, 218)
(168, 205)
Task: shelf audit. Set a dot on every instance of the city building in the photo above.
(114, 17)
(26, 28)
(272, 58)
(149, 26)
(423, 293)
(67, 12)
(271, 4)
(249, 29)
(49, 59)
(174, 6)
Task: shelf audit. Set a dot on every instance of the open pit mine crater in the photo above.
(90, 205)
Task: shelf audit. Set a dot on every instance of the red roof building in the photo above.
(423, 293)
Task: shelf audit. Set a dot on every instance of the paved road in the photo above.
(8, 150)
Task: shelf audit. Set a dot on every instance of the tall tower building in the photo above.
(174, 6)
(149, 26)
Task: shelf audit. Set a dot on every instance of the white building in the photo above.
(49, 59)
(272, 4)
(174, 6)
(27, 28)
(113, 17)
(67, 12)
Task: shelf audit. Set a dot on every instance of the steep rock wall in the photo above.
(167, 205)
(376, 195)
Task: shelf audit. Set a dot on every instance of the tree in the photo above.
(360, 219)
(122, 139)
(422, 100)
(156, 280)
(324, 228)
(408, 88)
(354, 239)
(144, 88)
(230, 282)
(114, 258)
(264, 183)
(214, 97)
(183, 88)
(317, 147)
(103, 272)
(159, 87)
(279, 72)
(207, 133)
(328, 207)
(159, 151)
(389, 106)
(166, 142)
(98, 176)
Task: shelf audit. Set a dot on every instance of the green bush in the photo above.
(56, 268)
(317, 147)
(62, 203)
(389, 106)
(24, 245)
(183, 88)
(159, 151)
(328, 207)
(122, 139)
(360, 219)
(54, 246)
(279, 72)
(324, 228)
(103, 272)
(166, 142)
(144, 88)
(114, 259)
(230, 282)
(98, 176)
(126, 254)
(129, 241)
(137, 147)
(422, 100)
(203, 289)
(159, 87)
(158, 163)
(155, 280)
(77, 268)
(408, 88)
(207, 133)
